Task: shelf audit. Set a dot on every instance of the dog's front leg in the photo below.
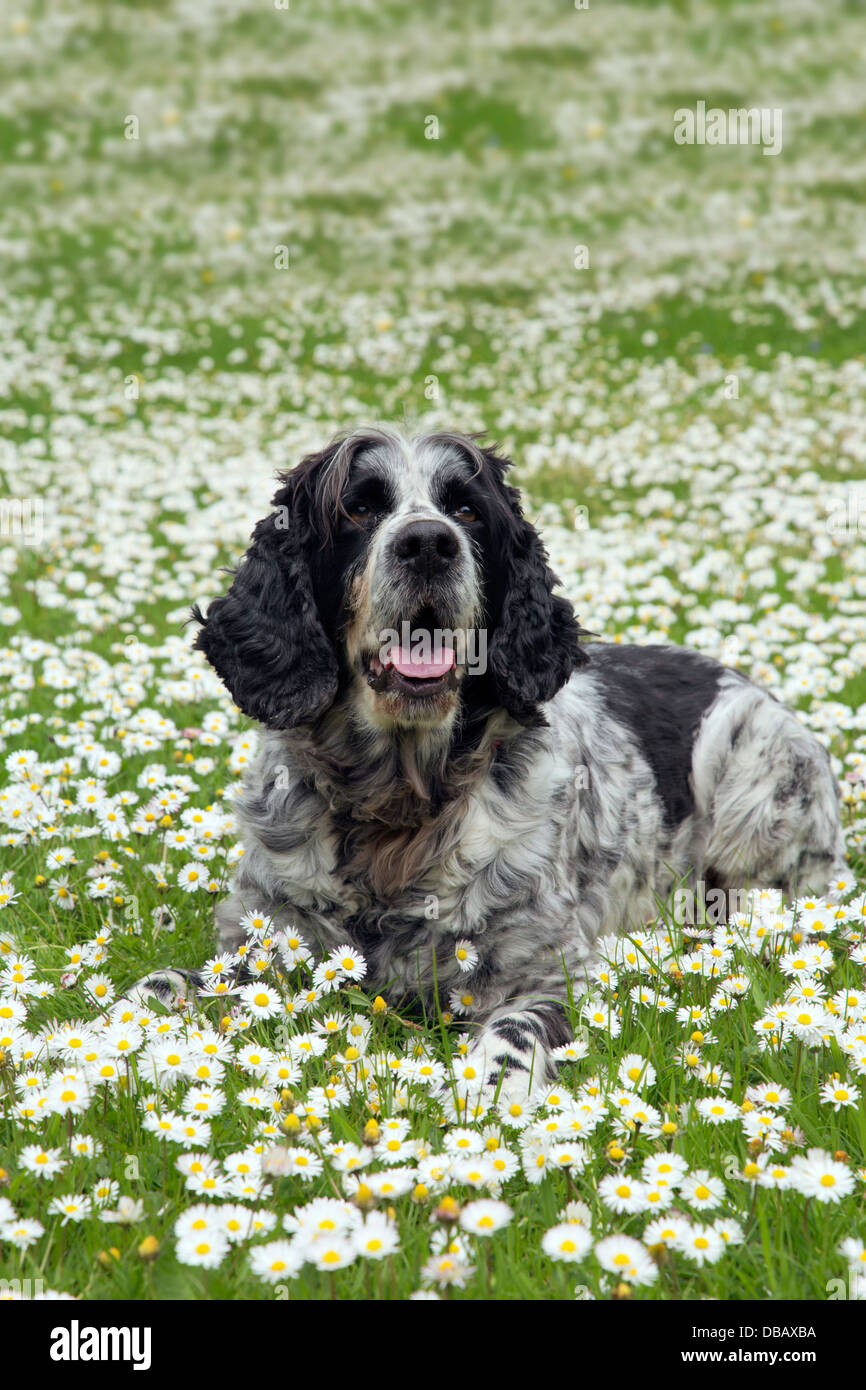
(516, 1031)
(511, 1053)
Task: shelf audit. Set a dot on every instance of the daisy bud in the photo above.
(614, 1152)
(622, 1291)
(290, 1124)
(371, 1131)
(447, 1210)
(841, 1156)
(148, 1249)
(379, 1005)
(420, 1193)
(364, 1196)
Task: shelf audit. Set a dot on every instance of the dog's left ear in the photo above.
(264, 639)
(534, 649)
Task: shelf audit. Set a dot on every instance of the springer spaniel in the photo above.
(443, 761)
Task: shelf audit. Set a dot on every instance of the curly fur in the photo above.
(557, 794)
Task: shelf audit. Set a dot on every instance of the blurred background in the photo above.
(229, 229)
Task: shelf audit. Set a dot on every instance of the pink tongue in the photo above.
(410, 664)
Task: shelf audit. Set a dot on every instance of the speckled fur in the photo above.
(559, 812)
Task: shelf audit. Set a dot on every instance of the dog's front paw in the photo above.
(506, 1079)
(171, 988)
(512, 1086)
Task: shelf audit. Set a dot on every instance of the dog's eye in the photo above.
(360, 512)
(466, 513)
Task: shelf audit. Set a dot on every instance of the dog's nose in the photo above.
(426, 547)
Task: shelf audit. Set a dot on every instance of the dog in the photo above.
(520, 796)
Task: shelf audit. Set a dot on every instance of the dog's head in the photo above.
(401, 576)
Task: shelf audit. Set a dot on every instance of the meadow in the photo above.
(228, 231)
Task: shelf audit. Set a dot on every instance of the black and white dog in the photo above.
(522, 794)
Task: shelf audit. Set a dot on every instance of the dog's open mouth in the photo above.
(419, 664)
(404, 670)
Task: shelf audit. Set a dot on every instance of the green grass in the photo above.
(413, 259)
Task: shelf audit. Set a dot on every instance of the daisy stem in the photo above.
(672, 1266)
(47, 1253)
(806, 1206)
(320, 1151)
(754, 1203)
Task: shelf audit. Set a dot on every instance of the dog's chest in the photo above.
(406, 897)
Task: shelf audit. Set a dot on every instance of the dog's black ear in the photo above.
(533, 649)
(264, 639)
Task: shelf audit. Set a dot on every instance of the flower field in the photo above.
(228, 231)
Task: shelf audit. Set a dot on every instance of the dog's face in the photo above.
(401, 577)
(408, 556)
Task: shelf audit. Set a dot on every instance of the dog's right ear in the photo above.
(535, 645)
(264, 639)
